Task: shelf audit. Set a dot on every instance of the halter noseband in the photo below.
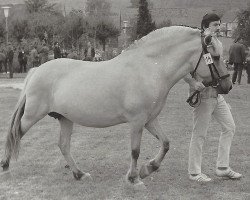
(215, 81)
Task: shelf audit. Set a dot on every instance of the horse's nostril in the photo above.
(231, 87)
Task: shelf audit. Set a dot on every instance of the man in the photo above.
(44, 52)
(22, 59)
(248, 65)
(212, 104)
(57, 51)
(9, 59)
(237, 57)
(34, 56)
(89, 52)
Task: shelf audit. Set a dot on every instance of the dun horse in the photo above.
(131, 88)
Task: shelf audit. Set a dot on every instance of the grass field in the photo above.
(39, 172)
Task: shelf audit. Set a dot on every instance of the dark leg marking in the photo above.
(135, 154)
(166, 145)
(4, 165)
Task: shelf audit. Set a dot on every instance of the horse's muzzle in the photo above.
(220, 90)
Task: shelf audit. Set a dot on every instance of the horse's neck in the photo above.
(177, 64)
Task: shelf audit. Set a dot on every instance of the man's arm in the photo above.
(193, 84)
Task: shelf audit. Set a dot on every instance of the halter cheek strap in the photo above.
(194, 99)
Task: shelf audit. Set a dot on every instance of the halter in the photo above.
(215, 81)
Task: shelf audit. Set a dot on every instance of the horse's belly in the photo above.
(92, 117)
(91, 110)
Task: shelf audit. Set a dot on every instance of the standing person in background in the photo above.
(57, 50)
(44, 52)
(237, 57)
(35, 60)
(89, 52)
(248, 64)
(214, 105)
(22, 59)
(3, 65)
(9, 59)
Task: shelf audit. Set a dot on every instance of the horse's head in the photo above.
(211, 68)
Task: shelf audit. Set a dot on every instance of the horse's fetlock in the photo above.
(155, 166)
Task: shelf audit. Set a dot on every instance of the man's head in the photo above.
(89, 44)
(212, 22)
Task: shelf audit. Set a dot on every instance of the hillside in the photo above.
(123, 4)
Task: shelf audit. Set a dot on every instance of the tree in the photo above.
(144, 21)
(98, 7)
(99, 17)
(41, 22)
(2, 30)
(74, 27)
(105, 30)
(243, 28)
(165, 23)
(136, 3)
(33, 6)
(20, 29)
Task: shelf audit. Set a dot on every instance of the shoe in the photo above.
(200, 178)
(228, 173)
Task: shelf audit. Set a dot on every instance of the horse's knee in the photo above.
(135, 154)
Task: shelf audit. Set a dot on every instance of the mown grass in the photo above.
(39, 172)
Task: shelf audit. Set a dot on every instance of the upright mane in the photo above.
(160, 34)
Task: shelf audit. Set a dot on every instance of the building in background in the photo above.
(229, 23)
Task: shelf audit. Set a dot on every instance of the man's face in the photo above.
(214, 27)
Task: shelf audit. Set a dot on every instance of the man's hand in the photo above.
(194, 84)
(198, 86)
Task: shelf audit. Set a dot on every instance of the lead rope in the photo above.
(194, 103)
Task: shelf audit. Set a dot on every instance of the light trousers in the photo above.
(219, 109)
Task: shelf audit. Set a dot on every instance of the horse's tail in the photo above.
(14, 132)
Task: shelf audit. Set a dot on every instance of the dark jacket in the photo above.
(237, 54)
(57, 52)
(87, 57)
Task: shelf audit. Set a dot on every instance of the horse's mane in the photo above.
(160, 34)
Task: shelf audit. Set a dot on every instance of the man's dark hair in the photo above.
(208, 18)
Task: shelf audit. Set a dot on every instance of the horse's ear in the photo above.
(207, 40)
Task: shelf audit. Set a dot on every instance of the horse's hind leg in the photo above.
(132, 176)
(64, 145)
(154, 128)
(32, 114)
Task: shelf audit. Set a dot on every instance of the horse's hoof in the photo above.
(4, 165)
(88, 177)
(144, 172)
(78, 175)
(139, 186)
(136, 185)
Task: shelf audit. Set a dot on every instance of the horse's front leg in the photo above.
(64, 145)
(132, 176)
(154, 128)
